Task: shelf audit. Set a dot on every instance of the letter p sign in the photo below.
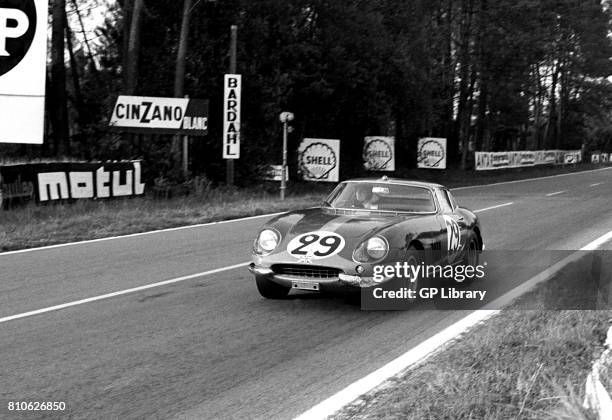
(17, 30)
(21, 26)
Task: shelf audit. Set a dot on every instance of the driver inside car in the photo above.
(364, 198)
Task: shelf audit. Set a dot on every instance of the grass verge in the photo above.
(521, 364)
(34, 226)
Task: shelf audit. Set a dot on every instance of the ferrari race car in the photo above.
(361, 224)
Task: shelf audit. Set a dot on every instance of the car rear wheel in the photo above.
(472, 255)
(271, 290)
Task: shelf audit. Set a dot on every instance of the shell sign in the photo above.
(431, 153)
(319, 160)
(379, 153)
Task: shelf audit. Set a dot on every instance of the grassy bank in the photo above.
(521, 364)
(33, 226)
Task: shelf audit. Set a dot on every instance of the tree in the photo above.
(58, 102)
(133, 47)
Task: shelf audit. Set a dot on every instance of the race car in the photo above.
(363, 223)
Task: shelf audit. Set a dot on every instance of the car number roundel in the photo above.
(316, 245)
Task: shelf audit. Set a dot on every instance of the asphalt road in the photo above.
(210, 346)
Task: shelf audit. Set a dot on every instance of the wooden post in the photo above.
(283, 186)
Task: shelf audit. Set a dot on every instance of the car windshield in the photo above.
(382, 197)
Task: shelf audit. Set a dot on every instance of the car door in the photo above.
(454, 225)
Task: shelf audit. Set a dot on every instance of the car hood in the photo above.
(352, 225)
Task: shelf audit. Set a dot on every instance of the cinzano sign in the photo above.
(161, 115)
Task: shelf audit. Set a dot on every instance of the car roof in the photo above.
(408, 182)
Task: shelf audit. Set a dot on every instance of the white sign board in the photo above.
(379, 153)
(231, 116)
(573, 156)
(431, 153)
(23, 61)
(275, 173)
(319, 160)
(161, 115)
(524, 158)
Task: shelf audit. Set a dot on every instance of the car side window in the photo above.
(451, 199)
(445, 204)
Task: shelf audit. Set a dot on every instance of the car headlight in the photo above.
(376, 248)
(372, 250)
(266, 242)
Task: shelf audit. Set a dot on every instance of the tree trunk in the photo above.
(550, 125)
(562, 104)
(94, 69)
(128, 7)
(76, 83)
(133, 51)
(483, 82)
(465, 85)
(482, 115)
(537, 100)
(449, 76)
(59, 107)
(179, 75)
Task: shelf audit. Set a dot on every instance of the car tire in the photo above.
(418, 283)
(471, 257)
(270, 290)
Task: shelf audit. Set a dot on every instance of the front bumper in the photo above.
(342, 282)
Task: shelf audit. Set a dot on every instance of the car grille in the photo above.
(306, 271)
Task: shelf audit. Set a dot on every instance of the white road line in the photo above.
(531, 179)
(597, 242)
(494, 207)
(595, 184)
(120, 293)
(255, 217)
(555, 193)
(428, 347)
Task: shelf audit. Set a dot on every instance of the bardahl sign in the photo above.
(23, 63)
(142, 114)
(319, 160)
(45, 182)
(232, 94)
